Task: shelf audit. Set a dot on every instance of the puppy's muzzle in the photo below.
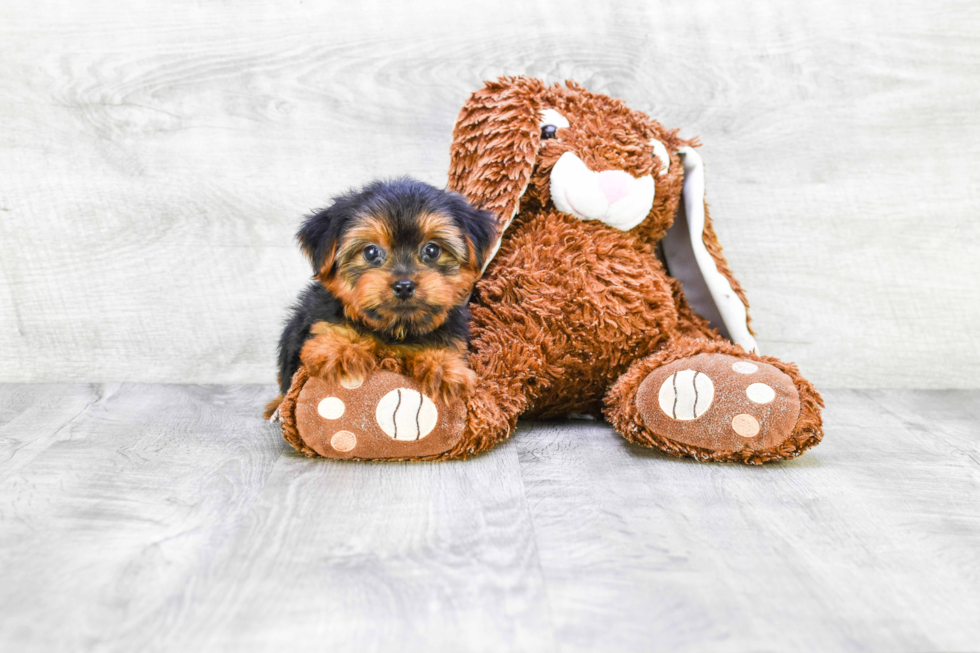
(403, 289)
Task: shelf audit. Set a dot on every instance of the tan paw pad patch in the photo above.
(343, 441)
(745, 425)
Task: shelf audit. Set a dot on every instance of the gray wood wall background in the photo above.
(155, 159)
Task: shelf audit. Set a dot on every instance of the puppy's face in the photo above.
(399, 256)
(402, 276)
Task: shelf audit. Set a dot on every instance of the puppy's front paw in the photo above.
(442, 374)
(338, 359)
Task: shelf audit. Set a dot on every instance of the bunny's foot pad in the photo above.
(386, 417)
(720, 404)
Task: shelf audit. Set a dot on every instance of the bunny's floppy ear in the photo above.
(693, 256)
(495, 144)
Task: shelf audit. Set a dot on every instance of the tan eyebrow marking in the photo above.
(436, 226)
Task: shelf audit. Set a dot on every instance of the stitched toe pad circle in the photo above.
(719, 402)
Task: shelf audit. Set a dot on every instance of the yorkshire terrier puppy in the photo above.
(394, 265)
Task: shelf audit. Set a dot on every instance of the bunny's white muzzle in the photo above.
(614, 197)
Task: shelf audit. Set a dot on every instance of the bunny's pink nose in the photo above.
(615, 184)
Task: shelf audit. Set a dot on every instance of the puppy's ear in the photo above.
(479, 229)
(495, 145)
(320, 235)
(482, 237)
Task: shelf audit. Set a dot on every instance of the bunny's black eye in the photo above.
(373, 254)
(551, 122)
(430, 252)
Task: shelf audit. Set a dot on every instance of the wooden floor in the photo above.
(171, 518)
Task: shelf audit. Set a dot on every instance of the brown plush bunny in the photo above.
(609, 293)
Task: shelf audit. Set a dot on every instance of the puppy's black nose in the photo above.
(403, 289)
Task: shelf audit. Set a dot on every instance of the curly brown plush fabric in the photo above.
(572, 315)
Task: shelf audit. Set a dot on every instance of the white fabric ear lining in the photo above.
(660, 150)
(730, 307)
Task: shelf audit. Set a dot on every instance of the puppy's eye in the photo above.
(373, 254)
(548, 131)
(430, 252)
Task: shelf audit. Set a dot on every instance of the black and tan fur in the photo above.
(350, 320)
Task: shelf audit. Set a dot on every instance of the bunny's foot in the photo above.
(713, 401)
(386, 416)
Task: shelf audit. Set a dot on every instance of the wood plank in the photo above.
(105, 531)
(380, 557)
(871, 541)
(156, 160)
(33, 417)
(174, 518)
